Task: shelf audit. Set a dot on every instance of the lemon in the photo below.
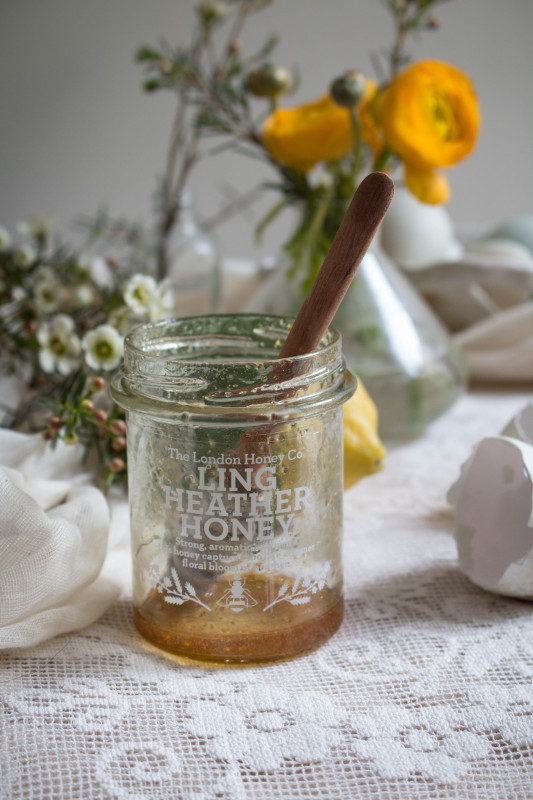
(363, 449)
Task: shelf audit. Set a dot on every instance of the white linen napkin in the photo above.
(54, 530)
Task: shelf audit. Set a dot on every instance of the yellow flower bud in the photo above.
(269, 80)
(349, 89)
(212, 12)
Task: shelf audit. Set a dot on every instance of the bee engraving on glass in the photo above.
(237, 597)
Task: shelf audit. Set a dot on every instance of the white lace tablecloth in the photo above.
(425, 692)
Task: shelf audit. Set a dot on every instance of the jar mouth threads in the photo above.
(220, 338)
(226, 363)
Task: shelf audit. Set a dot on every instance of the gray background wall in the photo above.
(77, 132)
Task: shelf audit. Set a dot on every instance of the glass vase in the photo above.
(391, 339)
(193, 268)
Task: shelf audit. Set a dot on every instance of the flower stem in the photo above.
(356, 128)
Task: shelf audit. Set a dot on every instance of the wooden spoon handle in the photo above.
(365, 212)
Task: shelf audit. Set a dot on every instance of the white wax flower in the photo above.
(140, 293)
(18, 294)
(25, 256)
(35, 227)
(48, 292)
(5, 239)
(162, 304)
(97, 268)
(103, 347)
(84, 295)
(60, 346)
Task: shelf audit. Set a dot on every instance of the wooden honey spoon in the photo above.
(353, 238)
(361, 221)
(357, 229)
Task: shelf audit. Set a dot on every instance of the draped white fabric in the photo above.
(54, 538)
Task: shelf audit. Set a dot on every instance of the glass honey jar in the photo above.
(235, 486)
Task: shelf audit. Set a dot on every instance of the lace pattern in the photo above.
(424, 693)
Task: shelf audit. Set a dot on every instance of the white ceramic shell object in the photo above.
(521, 425)
(493, 500)
(519, 229)
(416, 234)
(500, 250)
(492, 276)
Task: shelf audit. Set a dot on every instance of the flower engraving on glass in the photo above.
(302, 588)
(176, 594)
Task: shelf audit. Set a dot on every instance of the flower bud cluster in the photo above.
(81, 421)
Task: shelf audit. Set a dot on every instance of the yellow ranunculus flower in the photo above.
(430, 115)
(427, 185)
(301, 137)
(369, 118)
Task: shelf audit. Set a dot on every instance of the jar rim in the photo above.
(330, 341)
(225, 363)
